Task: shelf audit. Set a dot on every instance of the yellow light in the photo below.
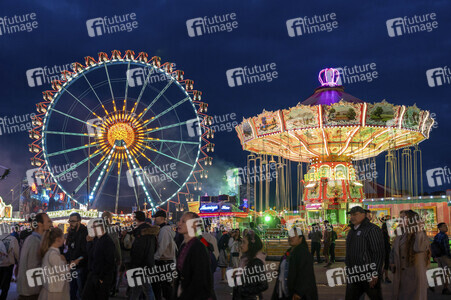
(121, 131)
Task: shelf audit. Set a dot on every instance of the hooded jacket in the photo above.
(144, 246)
(166, 244)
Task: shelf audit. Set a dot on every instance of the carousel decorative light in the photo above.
(332, 129)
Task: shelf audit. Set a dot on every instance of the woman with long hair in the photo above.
(253, 278)
(194, 280)
(410, 258)
(57, 270)
(296, 278)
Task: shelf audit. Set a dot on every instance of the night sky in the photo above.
(260, 37)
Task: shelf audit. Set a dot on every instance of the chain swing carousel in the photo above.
(334, 136)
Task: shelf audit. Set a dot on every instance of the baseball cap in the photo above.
(357, 209)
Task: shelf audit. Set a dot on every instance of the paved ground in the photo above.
(223, 291)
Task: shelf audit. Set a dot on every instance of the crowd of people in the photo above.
(93, 260)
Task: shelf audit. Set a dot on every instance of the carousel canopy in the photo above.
(332, 125)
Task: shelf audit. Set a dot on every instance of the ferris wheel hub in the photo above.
(121, 131)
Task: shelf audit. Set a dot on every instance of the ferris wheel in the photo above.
(122, 132)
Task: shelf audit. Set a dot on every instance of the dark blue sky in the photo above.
(261, 37)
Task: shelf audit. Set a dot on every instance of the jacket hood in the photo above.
(151, 230)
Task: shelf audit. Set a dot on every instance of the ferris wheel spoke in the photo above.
(67, 133)
(126, 88)
(119, 170)
(79, 101)
(169, 126)
(104, 168)
(166, 110)
(130, 157)
(171, 141)
(94, 91)
(154, 100)
(171, 157)
(111, 89)
(76, 165)
(72, 117)
(71, 149)
(150, 181)
(101, 161)
(161, 170)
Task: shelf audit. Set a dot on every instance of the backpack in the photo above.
(223, 242)
(4, 250)
(127, 241)
(436, 249)
(213, 260)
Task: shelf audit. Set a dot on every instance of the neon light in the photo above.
(333, 78)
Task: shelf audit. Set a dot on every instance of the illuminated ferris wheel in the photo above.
(127, 132)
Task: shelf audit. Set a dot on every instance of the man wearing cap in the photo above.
(165, 255)
(364, 256)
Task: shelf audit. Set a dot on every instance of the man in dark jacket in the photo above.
(100, 261)
(77, 253)
(142, 253)
(365, 254)
(296, 278)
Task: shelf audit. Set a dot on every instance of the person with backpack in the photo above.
(441, 252)
(223, 245)
(194, 280)
(9, 256)
(165, 255)
(143, 253)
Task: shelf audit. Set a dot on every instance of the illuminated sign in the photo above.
(226, 207)
(340, 172)
(209, 207)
